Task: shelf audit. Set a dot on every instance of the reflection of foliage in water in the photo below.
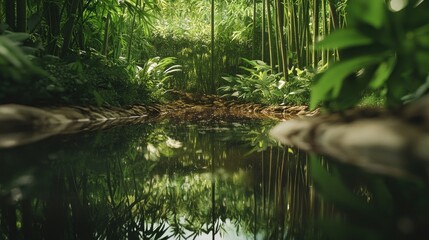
(371, 206)
(157, 181)
(150, 182)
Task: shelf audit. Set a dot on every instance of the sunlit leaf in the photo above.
(423, 62)
(371, 12)
(383, 72)
(281, 84)
(172, 143)
(344, 38)
(18, 37)
(331, 81)
(98, 98)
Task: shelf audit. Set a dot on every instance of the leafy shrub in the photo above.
(85, 78)
(262, 85)
(89, 78)
(155, 73)
(19, 73)
(380, 49)
(186, 35)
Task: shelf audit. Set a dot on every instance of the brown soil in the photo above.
(195, 107)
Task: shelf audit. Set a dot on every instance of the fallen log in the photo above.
(380, 141)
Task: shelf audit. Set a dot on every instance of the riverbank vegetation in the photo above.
(336, 52)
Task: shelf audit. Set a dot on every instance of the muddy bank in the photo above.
(195, 107)
(24, 124)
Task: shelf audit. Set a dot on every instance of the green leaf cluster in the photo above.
(90, 78)
(380, 49)
(19, 69)
(155, 73)
(183, 31)
(261, 84)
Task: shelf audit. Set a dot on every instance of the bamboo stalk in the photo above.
(276, 29)
(106, 35)
(10, 13)
(212, 55)
(280, 25)
(21, 15)
(270, 32)
(316, 9)
(254, 32)
(69, 25)
(130, 41)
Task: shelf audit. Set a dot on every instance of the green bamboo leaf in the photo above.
(98, 98)
(332, 79)
(344, 38)
(383, 72)
(18, 37)
(228, 79)
(422, 60)
(371, 12)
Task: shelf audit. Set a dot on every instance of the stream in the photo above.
(198, 180)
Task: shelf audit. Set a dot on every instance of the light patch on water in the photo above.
(229, 232)
(172, 143)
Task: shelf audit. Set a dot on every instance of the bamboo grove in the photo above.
(291, 28)
(110, 27)
(137, 34)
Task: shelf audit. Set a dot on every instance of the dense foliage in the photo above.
(98, 52)
(380, 49)
(261, 84)
(89, 50)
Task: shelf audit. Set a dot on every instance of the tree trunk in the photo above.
(69, 25)
(10, 13)
(53, 20)
(21, 15)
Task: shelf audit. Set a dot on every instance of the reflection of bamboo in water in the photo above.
(213, 185)
(288, 199)
(264, 205)
(255, 198)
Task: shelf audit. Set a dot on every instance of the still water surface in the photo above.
(207, 180)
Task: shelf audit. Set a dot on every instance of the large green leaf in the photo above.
(17, 37)
(372, 12)
(344, 38)
(383, 72)
(332, 79)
